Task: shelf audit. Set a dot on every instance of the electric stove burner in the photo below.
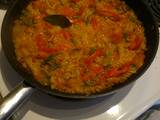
(155, 6)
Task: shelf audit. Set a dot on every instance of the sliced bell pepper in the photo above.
(114, 72)
(93, 56)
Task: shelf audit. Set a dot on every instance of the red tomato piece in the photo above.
(96, 70)
(91, 58)
(114, 72)
(40, 42)
(116, 37)
(136, 43)
(42, 55)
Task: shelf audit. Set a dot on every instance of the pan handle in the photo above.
(14, 100)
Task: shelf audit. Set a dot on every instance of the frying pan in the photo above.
(29, 85)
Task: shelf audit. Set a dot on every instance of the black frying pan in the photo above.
(27, 86)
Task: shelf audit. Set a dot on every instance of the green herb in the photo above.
(88, 20)
(125, 36)
(77, 26)
(106, 63)
(88, 17)
(107, 66)
(55, 66)
(51, 62)
(108, 53)
(134, 67)
(49, 58)
(74, 41)
(92, 50)
(133, 19)
(27, 20)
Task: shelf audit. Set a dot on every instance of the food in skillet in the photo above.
(103, 47)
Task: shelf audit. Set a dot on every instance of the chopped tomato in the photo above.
(91, 58)
(116, 36)
(96, 69)
(84, 76)
(40, 42)
(42, 55)
(67, 11)
(136, 43)
(114, 72)
(42, 50)
(125, 68)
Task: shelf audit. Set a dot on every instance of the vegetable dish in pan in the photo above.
(103, 47)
